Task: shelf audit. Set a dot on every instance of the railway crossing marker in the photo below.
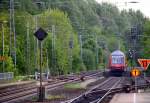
(144, 63)
(135, 72)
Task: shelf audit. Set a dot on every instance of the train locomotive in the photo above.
(117, 63)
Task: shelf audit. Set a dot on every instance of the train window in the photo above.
(117, 60)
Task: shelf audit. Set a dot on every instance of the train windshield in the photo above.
(117, 60)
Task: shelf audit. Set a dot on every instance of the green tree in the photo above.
(63, 33)
(89, 59)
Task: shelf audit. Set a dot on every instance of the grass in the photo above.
(21, 78)
(16, 79)
(54, 97)
(73, 86)
(34, 98)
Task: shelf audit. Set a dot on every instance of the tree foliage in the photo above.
(103, 28)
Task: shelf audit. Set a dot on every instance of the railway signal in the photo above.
(144, 63)
(131, 53)
(134, 32)
(135, 72)
(40, 34)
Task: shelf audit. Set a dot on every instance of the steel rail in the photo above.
(114, 86)
(89, 91)
(33, 91)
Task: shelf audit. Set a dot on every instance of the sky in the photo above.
(143, 5)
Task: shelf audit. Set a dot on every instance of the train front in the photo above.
(117, 63)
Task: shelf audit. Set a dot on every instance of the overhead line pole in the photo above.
(47, 63)
(14, 31)
(96, 53)
(80, 38)
(10, 18)
(53, 49)
(35, 58)
(28, 49)
(3, 43)
(70, 51)
(36, 44)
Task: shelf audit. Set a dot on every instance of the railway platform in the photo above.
(131, 98)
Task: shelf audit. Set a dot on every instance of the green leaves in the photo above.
(97, 23)
(89, 59)
(146, 39)
(59, 38)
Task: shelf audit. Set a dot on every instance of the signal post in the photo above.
(135, 73)
(40, 34)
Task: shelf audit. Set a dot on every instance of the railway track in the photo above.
(16, 94)
(140, 82)
(103, 92)
(10, 89)
(99, 92)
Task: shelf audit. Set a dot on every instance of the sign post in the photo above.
(135, 73)
(40, 34)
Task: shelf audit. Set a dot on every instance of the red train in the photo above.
(117, 62)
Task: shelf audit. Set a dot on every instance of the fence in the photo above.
(6, 76)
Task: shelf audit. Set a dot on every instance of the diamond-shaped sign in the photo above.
(40, 34)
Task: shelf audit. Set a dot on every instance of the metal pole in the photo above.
(14, 31)
(40, 91)
(71, 60)
(3, 43)
(133, 60)
(118, 44)
(28, 49)
(135, 84)
(136, 89)
(47, 60)
(53, 49)
(81, 46)
(34, 52)
(70, 51)
(37, 43)
(96, 53)
(144, 74)
(10, 18)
